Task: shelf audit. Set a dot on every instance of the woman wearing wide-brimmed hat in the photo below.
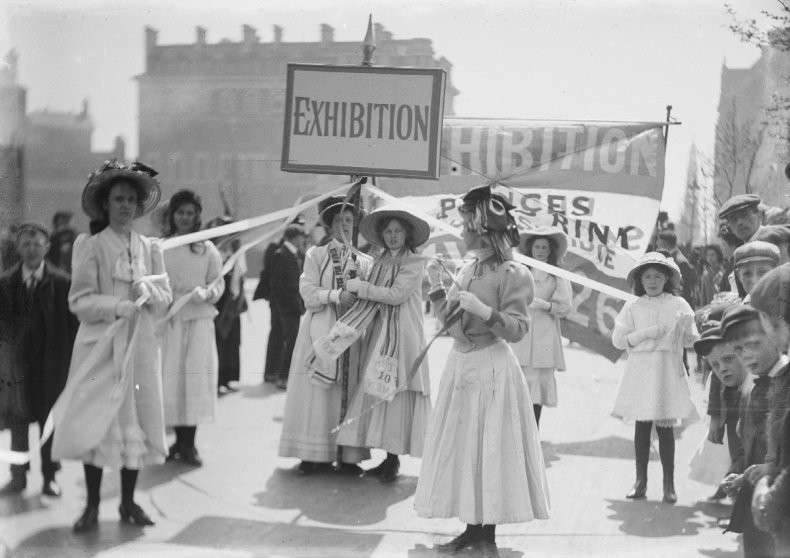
(189, 350)
(654, 329)
(313, 403)
(482, 460)
(393, 342)
(540, 351)
(110, 412)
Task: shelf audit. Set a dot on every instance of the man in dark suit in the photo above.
(285, 300)
(42, 333)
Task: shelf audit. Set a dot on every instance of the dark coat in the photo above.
(284, 282)
(42, 332)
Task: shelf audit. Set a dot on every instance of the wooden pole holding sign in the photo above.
(368, 46)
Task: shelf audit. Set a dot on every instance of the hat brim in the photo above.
(559, 238)
(706, 344)
(328, 213)
(148, 184)
(674, 272)
(368, 227)
(756, 259)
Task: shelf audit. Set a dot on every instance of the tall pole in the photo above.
(368, 46)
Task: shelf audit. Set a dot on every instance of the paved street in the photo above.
(246, 502)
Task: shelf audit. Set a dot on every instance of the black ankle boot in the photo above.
(669, 488)
(88, 521)
(133, 514)
(470, 537)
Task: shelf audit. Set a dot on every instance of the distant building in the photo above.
(211, 115)
(751, 149)
(46, 156)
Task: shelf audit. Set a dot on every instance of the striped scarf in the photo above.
(351, 326)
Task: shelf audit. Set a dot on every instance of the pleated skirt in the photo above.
(482, 460)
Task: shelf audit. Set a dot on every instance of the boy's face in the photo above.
(751, 273)
(726, 365)
(757, 350)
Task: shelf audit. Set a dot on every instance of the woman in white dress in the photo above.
(189, 349)
(390, 410)
(482, 461)
(540, 351)
(110, 412)
(654, 329)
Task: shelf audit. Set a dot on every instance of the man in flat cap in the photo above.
(779, 236)
(40, 329)
(740, 219)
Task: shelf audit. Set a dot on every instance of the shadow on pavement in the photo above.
(63, 543)
(651, 518)
(17, 504)
(259, 391)
(422, 551)
(720, 553)
(334, 498)
(612, 447)
(260, 538)
(549, 453)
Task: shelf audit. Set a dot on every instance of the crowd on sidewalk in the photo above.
(108, 342)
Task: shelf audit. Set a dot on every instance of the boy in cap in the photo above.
(779, 236)
(753, 261)
(741, 219)
(753, 338)
(42, 333)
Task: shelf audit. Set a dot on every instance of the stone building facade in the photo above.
(211, 115)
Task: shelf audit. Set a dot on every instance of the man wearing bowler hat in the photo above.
(41, 330)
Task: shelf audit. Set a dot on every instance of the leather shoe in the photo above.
(349, 469)
(51, 488)
(470, 537)
(669, 492)
(134, 514)
(88, 521)
(173, 453)
(191, 457)
(16, 485)
(638, 492)
(390, 470)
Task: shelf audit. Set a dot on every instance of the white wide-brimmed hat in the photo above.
(112, 171)
(369, 226)
(658, 259)
(557, 236)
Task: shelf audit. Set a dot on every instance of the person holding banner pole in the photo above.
(540, 351)
(654, 329)
(390, 410)
(482, 461)
(110, 412)
(313, 402)
(189, 349)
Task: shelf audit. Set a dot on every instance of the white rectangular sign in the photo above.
(363, 120)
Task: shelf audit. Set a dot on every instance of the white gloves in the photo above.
(470, 303)
(199, 294)
(140, 289)
(353, 285)
(652, 332)
(125, 309)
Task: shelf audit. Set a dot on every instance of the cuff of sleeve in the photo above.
(334, 296)
(494, 319)
(437, 294)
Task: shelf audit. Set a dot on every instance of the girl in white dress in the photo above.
(540, 351)
(654, 329)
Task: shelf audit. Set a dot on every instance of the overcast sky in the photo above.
(595, 59)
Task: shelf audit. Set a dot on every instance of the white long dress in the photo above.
(655, 386)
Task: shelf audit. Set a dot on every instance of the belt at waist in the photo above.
(475, 344)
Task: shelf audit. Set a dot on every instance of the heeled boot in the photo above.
(642, 456)
(471, 536)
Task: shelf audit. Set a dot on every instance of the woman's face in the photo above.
(185, 217)
(394, 235)
(541, 249)
(343, 226)
(712, 257)
(121, 204)
(653, 281)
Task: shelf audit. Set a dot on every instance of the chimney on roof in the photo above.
(84, 112)
(200, 35)
(327, 34)
(119, 149)
(278, 34)
(249, 34)
(8, 70)
(151, 38)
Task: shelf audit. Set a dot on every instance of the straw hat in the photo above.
(112, 171)
(557, 236)
(656, 258)
(369, 227)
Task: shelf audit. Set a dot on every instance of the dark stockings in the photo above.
(93, 476)
(537, 409)
(185, 436)
(666, 450)
(128, 483)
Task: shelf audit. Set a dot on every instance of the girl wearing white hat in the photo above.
(393, 342)
(540, 351)
(654, 329)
